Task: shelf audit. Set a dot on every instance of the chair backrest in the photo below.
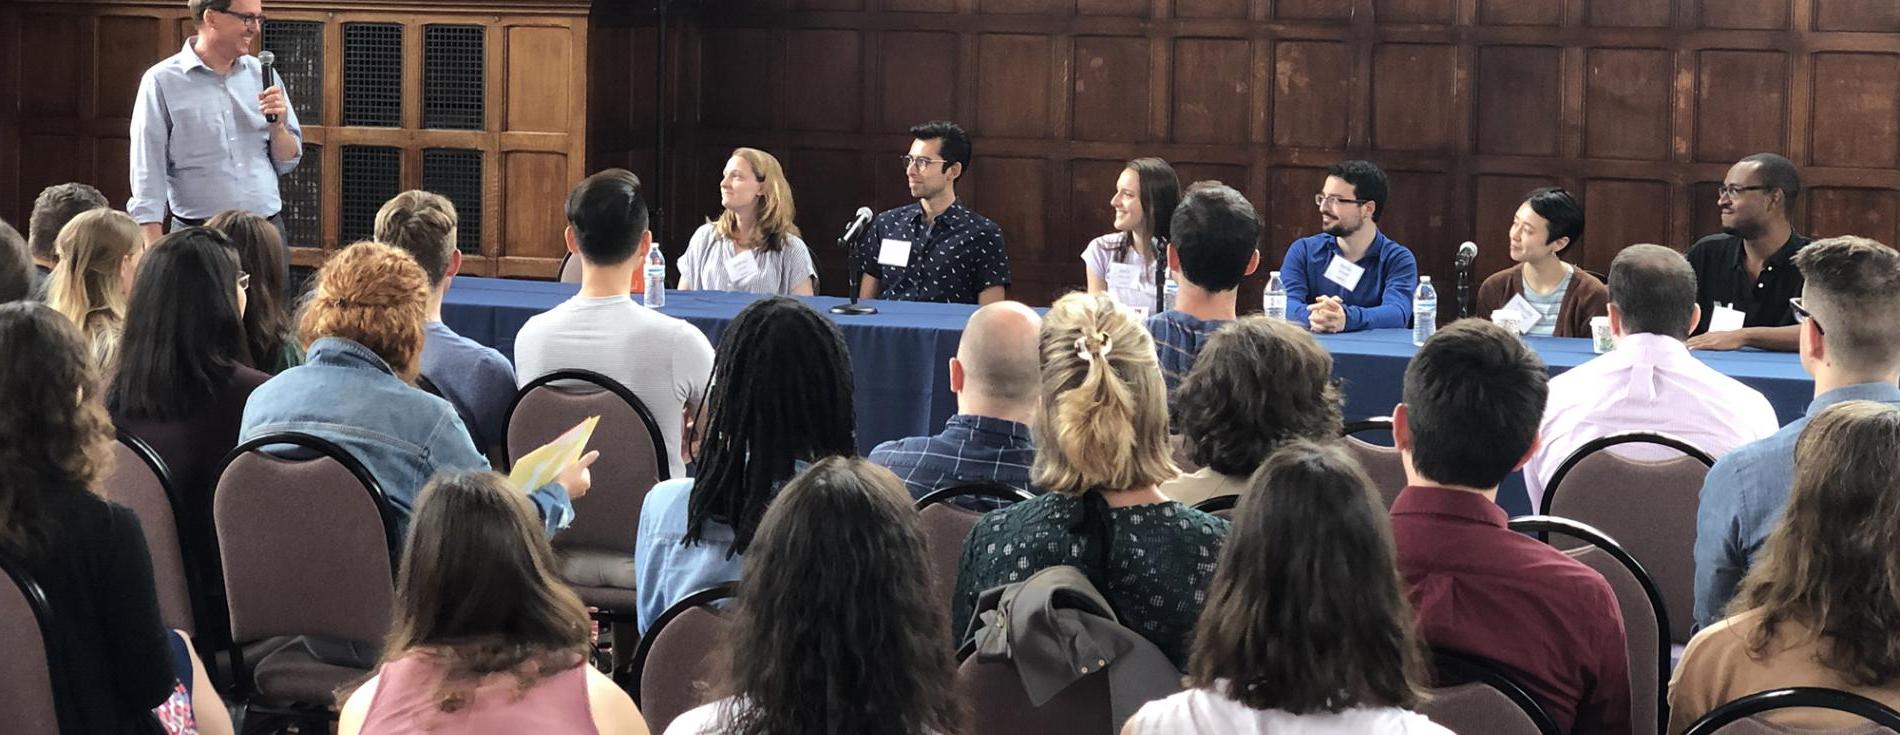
(26, 671)
(675, 658)
(307, 542)
(1381, 462)
(633, 453)
(1475, 696)
(140, 482)
(998, 704)
(1219, 505)
(1741, 716)
(1647, 506)
(1645, 615)
(945, 525)
(570, 269)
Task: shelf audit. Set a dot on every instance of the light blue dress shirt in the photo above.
(199, 143)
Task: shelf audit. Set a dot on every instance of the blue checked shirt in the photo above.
(199, 143)
(971, 449)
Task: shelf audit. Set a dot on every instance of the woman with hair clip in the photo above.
(98, 254)
(1821, 605)
(1122, 263)
(753, 246)
(780, 397)
(270, 344)
(1102, 449)
(486, 637)
(1306, 627)
(839, 636)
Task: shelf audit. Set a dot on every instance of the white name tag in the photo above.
(742, 267)
(894, 253)
(1527, 315)
(1344, 272)
(1725, 318)
(1128, 277)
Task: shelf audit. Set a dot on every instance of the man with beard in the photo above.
(1745, 276)
(935, 249)
(1350, 276)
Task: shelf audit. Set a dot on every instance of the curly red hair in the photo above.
(376, 296)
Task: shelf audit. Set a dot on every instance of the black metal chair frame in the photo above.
(1815, 697)
(1542, 525)
(196, 589)
(635, 668)
(43, 615)
(604, 383)
(1605, 442)
(1376, 423)
(1218, 503)
(995, 490)
(1466, 668)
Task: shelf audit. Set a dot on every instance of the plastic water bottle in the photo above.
(1169, 290)
(1275, 298)
(655, 296)
(1424, 311)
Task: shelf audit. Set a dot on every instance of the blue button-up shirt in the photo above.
(1742, 498)
(971, 449)
(1383, 297)
(952, 258)
(199, 143)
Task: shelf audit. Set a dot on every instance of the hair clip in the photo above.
(1082, 346)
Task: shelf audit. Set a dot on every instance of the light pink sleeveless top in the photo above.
(405, 703)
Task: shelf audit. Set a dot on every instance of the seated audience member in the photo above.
(995, 376)
(1215, 236)
(99, 252)
(936, 249)
(1306, 627)
(52, 209)
(753, 246)
(1750, 266)
(1101, 451)
(1473, 394)
(1350, 276)
(16, 266)
(1122, 263)
(268, 330)
(182, 382)
(1820, 606)
(781, 398)
(486, 639)
(362, 329)
(1259, 383)
(194, 707)
(1850, 343)
(1650, 382)
(87, 555)
(474, 377)
(1561, 298)
(808, 613)
(663, 360)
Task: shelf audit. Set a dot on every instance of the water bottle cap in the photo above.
(1273, 274)
(1424, 279)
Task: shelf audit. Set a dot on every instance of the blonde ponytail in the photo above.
(1103, 423)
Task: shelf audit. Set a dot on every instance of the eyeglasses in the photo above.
(921, 162)
(1333, 200)
(244, 281)
(1734, 190)
(1802, 315)
(249, 19)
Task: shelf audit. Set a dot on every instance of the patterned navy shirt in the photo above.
(1178, 340)
(951, 259)
(971, 449)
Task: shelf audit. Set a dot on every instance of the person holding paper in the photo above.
(753, 246)
(1746, 274)
(1122, 263)
(1549, 296)
(936, 249)
(1350, 276)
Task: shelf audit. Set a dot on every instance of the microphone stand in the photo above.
(1161, 274)
(852, 274)
(1464, 288)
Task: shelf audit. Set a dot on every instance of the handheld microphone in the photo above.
(267, 59)
(1467, 253)
(860, 223)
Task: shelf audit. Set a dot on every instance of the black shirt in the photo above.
(952, 259)
(1722, 276)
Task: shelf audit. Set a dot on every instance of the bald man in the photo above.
(996, 376)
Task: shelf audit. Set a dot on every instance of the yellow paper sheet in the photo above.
(541, 466)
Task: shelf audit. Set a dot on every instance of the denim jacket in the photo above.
(346, 394)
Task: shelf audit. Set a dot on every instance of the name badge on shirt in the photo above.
(1725, 318)
(742, 267)
(894, 253)
(1344, 272)
(1129, 277)
(1527, 315)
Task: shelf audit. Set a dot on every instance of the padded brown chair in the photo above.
(1743, 716)
(1220, 505)
(1645, 617)
(1381, 462)
(676, 656)
(26, 673)
(570, 269)
(1000, 706)
(1473, 695)
(1647, 506)
(139, 481)
(946, 524)
(308, 546)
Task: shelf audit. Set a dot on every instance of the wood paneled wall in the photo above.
(1637, 105)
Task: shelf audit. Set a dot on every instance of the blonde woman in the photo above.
(99, 250)
(753, 246)
(1102, 449)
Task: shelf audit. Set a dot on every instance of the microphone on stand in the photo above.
(860, 225)
(267, 60)
(1467, 255)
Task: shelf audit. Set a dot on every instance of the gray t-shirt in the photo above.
(1548, 304)
(711, 263)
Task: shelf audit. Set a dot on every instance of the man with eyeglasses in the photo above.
(1746, 274)
(207, 134)
(936, 249)
(1350, 276)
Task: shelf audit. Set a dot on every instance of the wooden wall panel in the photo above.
(1412, 87)
(538, 93)
(1627, 103)
(1766, 15)
(1855, 112)
(1312, 10)
(1496, 200)
(535, 177)
(1311, 94)
(1007, 64)
(1111, 88)
(1857, 15)
(904, 60)
(1435, 12)
(829, 69)
(53, 36)
(1519, 99)
(1741, 104)
(1521, 12)
(1630, 13)
(1091, 185)
(126, 48)
(1133, 8)
(1419, 202)
(1853, 211)
(1617, 213)
(736, 79)
(1213, 90)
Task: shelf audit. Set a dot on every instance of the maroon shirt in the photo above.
(1482, 589)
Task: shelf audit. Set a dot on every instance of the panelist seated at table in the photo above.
(1746, 274)
(753, 245)
(1550, 297)
(936, 249)
(1122, 263)
(1350, 276)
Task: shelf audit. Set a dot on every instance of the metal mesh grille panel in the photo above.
(302, 191)
(453, 65)
(299, 48)
(371, 175)
(372, 74)
(457, 174)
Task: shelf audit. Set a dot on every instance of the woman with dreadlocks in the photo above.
(780, 399)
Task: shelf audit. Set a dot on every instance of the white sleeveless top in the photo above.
(1207, 712)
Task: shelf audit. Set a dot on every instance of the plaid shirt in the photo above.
(970, 449)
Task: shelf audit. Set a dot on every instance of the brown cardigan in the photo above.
(1587, 297)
